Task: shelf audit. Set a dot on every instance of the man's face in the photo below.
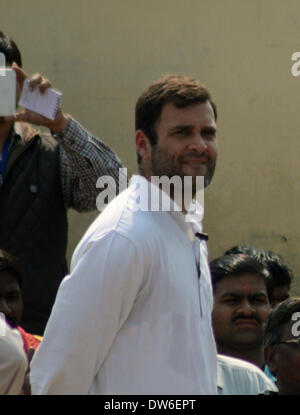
(280, 293)
(11, 303)
(186, 142)
(241, 307)
(285, 363)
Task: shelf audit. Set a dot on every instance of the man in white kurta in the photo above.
(239, 377)
(134, 315)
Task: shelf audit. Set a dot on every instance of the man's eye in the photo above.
(231, 300)
(180, 133)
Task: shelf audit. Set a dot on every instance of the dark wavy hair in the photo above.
(238, 264)
(8, 261)
(10, 50)
(281, 273)
(278, 318)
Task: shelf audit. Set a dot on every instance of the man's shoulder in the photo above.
(234, 362)
(119, 226)
(117, 220)
(123, 216)
(243, 371)
(239, 364)
(29, 134)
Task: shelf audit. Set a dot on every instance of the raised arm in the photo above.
(83, 157)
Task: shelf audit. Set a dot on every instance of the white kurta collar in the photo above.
(150, 196)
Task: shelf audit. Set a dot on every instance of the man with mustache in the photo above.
(242, 288)
(138, 301)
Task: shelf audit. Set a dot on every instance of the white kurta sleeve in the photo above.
(91, 305)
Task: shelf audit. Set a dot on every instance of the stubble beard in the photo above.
(164, 164)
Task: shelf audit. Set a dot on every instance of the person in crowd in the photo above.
(280, 271)
(13, 361)
(282, 345)
(41, 176)
(138, 300)
(238, 377)
(11, 301)
(242, 286)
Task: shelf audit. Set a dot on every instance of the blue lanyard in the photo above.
(4, 160)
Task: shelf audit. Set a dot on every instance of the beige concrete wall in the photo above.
(103, 53)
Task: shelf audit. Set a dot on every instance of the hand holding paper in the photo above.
(41, 102)
(46, 104)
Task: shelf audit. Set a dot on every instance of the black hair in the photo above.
(8, 261)
(238, 264)
(278, 318)
(279, 270)
(10, 50)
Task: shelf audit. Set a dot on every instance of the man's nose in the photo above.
(246, 308)
(198, 144)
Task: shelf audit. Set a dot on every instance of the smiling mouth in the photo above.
(195, 162)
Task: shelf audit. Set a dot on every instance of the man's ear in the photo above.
(270, 353)
(143, 145)
(20, 74)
